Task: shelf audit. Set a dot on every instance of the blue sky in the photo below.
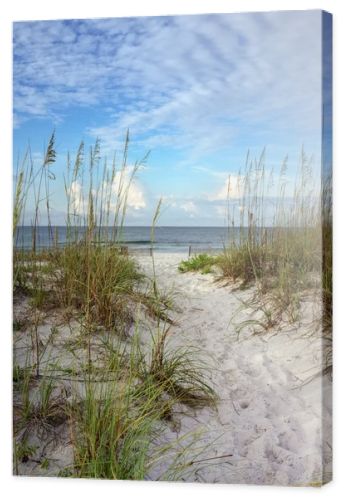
(196, 91)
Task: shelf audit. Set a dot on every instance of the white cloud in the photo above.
(132, 189)
(225, 73)
(232, 188)
(77, 201)
(190, 207)
(124, 190)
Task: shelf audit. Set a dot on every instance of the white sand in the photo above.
(271, 409)
(271, 421)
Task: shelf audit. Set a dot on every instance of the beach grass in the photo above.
(113, 395)
(278, 250)
(98, 280)
(182, 371)
(200, 262)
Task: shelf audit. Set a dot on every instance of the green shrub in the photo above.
(202, 262)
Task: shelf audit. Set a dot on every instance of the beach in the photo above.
(271, 421)
(268, 424)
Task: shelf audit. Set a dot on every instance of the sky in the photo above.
(196, 92)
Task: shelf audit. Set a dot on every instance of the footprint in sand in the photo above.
(244, 405)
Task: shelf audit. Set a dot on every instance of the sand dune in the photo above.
(268, 426)
(272, 422)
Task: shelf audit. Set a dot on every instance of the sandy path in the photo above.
(267, 419)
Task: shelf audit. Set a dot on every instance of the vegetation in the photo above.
(99, 281)
(327, 268)
(278, 248)
(180, 371)
(91, 378)
(114, 424)
(201, 262)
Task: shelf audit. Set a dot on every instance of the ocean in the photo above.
(138, 238)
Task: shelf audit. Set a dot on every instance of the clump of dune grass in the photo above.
(23, 451)
(38, 407)
(240, 263)
(277, 247)
(113, 432)
(201, 262)
(181, 371)
(158, 303)
(97, 278)
(115, 425)
(89, 272)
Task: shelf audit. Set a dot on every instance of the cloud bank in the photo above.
(183, 81)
